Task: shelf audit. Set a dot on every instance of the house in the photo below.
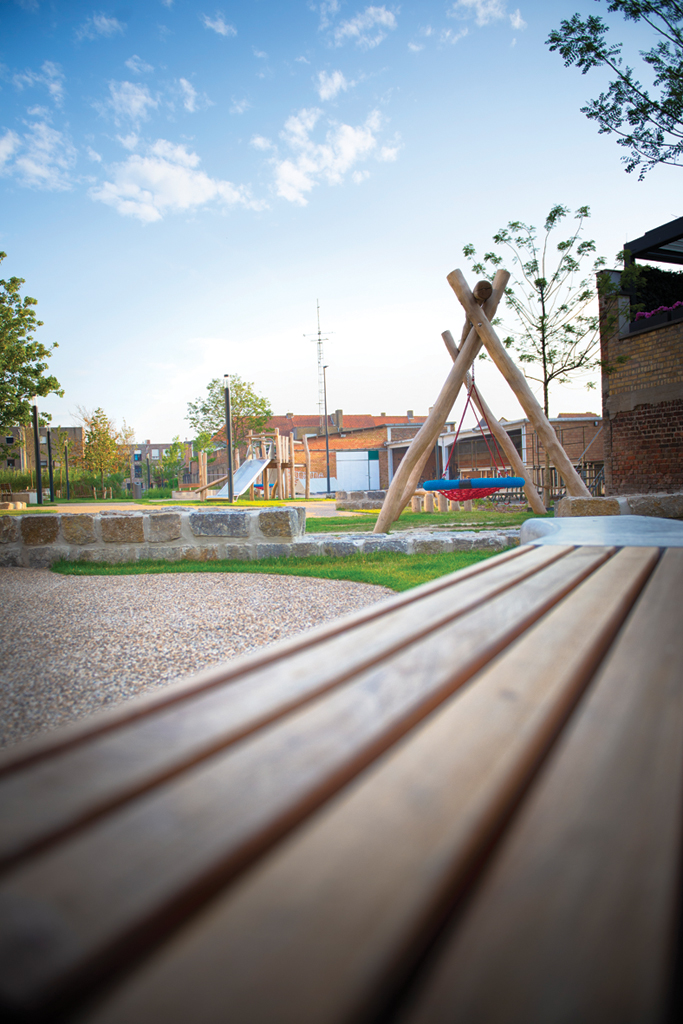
(642, 370)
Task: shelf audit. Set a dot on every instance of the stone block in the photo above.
(663, 506)
(42, 557)
(431, 545)
(341, 548)
(9, 529)
(124, 528)
(274, 550)
(117, 556)
(6, 505)
(37, 530)
(164, 526)
(10, 557)
(78, 529)
(569, 506)
(227, 523)
(238, 552)
(279, 522)
(399, 545)
(306, 548)
(200, 554)
(375, 495)
(161, 552)
(301, 513)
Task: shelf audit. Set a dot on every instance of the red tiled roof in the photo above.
(372, 438)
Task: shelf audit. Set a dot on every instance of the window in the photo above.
(10, 463)
(9, 439)
(155, 453)
(137, 456)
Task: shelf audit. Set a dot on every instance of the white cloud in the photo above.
(449, 35)
(316, 162)
(93, 155)
(260, 54)
(219, 25)
(189, 95)
(416, 47)
(301, 60)
(50, 75)
(388, 154)
(129, 141)
(358, 176)
(330, 85)
(129, 101)
(239, 106)
(167, 179)
(9, 144)
(328, 8)
(517, 21)
(138, 65)
(259, 142)
(367, 29)
(484, 11)
(42, 158)
(167, 3)
(99, 25)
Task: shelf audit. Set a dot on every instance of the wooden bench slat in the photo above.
(316, 932)
(71, 735)
(51, 796)
(123, 878)
(576, 920)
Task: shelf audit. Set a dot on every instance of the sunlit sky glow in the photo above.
(181, 181)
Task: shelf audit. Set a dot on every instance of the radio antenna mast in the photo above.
(318, 338)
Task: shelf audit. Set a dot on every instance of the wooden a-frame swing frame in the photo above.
(480, 307)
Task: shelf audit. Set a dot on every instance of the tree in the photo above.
(250, 411)
(22, 359)
(106, 448)
(556, 332)
(174, 458)
(649, 126)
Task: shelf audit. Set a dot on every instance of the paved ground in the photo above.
(72, 645)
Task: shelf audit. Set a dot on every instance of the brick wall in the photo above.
(642, 393)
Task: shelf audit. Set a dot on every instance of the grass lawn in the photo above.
(480, 519)
(384, 568)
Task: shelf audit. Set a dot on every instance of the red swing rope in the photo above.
(469, 494)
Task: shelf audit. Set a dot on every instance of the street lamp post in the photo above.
(49, 466)
(36, 438)
(228, 435)
(66, 467)
(327, 431)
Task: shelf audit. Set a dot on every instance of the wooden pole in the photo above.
(278, 456)
(500, 433)
(308, 466)
(517, 381)
(407, 476)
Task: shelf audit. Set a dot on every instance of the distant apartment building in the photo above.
(17, 449)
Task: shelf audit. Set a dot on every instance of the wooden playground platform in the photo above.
(462, 804)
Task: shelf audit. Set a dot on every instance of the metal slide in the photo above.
(246, 475)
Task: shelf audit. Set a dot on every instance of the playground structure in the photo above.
(480, 307)
(270, 457)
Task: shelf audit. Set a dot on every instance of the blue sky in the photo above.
(181, 181)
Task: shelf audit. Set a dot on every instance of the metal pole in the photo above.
(149, 476)
(327, 431)
(49, 466)
(66, 466)
(36, 439)
(228, 437)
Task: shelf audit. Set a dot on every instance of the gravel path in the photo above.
(73, 644)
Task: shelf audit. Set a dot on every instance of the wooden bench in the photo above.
(460, 805)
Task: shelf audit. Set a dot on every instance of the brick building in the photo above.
(17, 450)
(642, 379)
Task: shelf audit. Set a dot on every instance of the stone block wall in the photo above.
(37, 540)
